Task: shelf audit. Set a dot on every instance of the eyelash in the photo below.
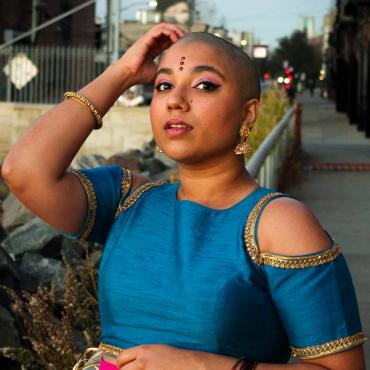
(211, 86)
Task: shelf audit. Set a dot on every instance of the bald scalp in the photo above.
(245, 70)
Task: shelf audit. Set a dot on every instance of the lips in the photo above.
(176, 126)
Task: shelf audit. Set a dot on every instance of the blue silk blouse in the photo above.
(179, 273)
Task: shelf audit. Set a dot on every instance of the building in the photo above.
(307, 26)
(79, 29)
(349, 59)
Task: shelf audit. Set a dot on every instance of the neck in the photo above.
(207, 183)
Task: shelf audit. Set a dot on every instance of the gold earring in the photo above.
(158, 149)
(243, 147)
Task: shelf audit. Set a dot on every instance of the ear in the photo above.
(251, 108)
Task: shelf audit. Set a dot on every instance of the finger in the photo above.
(127, 355)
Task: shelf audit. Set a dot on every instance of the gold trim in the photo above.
(109, 349)
(91, 201)
(296, 262)
(126, 184)
(131, 200)
(275, 260)
(250, 226)
(329, 347)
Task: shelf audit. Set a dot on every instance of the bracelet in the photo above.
(85, 102)
(245, 364)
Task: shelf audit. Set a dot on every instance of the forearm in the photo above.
(47, 148)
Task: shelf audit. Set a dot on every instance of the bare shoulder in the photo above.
(288, 227)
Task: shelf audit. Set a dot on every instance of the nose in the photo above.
(178, 100)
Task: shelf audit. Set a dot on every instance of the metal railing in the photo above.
(30, 74)
(267, 162)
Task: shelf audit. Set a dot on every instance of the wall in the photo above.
(124, 128)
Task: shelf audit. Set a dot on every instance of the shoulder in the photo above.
(138, 180)
(288, 227)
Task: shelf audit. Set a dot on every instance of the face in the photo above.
(196, 110)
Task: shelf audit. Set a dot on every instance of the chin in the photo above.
(181, 155)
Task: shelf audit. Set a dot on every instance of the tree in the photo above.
(301, 55)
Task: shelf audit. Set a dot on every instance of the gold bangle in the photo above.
(84, 101)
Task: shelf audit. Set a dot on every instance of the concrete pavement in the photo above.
(339, 197)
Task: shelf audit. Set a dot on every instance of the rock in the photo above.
(52, 249)
(43, 269)
(9, 270)
(14, 213)
(9, 335)
(2, 233)
(170, 163)
(90, 161)
(32, 236)
(72, 250)
(4, 190)
(128, 161)
(148, 150)
(154, 166)
(170, 175)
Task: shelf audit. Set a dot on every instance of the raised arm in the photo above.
(35, 168)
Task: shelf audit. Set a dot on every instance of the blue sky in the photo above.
(268, 19)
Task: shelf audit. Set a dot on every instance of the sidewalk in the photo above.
(338, 196)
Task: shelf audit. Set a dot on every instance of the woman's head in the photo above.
(210, 87)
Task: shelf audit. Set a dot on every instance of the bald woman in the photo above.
(214, 272)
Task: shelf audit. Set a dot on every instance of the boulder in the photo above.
(72, 250)
(126, 160)
(43, 269)
(9, 270)
(32, 236)
(14, 213)
(154, 166)
(9, 334)
(90, 161)
(168, 162)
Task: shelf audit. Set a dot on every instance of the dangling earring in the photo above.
(243, 147)
(158, 149)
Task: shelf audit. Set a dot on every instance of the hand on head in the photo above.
(138, 60)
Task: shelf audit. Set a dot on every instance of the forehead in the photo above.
(195, 53)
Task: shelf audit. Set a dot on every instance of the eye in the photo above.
(207, 85)
(162, 86)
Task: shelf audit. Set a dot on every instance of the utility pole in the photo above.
(113, 30)
(34, 20)
(191, 7)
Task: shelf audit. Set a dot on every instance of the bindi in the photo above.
(182, 62)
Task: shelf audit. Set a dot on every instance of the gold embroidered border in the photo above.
(91, 201)
(250, 226)
(329, 347)
(126, 184)
(109, 349)
(131, 200)
(270, 259)
(296, 262)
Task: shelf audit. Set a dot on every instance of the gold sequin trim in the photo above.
(109, 349)
(131, 199)
(297, 262)
(250, 226)
(270, 259)
(91, 201)
(125, 188)
(329, 347)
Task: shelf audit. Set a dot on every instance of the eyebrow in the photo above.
(196, 69)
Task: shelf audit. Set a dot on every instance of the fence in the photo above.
(36, 74)
(267, 162)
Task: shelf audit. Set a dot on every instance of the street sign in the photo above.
(21, 70)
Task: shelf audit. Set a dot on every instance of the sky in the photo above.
(268, 19)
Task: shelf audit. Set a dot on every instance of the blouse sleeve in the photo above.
(105, 188)
(314, 296)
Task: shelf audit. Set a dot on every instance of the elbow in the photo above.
(9, 174)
